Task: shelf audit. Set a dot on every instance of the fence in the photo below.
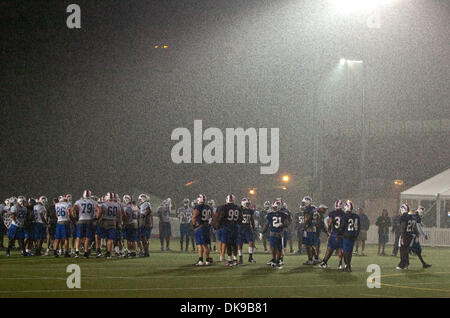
(436, 236)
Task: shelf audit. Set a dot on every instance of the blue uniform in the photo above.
(277, 222)
(309, 234)
(351, 231)
(337, 229)
(229, 216)
(201, 227)
(415, 244)
(246, 227)
(286, 232)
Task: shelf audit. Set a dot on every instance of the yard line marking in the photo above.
(418, 288)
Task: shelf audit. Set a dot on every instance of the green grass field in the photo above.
(170, 274)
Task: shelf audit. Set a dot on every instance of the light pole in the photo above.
(362, 171)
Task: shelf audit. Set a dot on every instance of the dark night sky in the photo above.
(94, 108)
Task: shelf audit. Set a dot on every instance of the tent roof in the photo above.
(430, 188)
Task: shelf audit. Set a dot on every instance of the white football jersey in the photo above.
(86, 209)
(38, 209)
(20, 213)
(110, 210)
(62, 211)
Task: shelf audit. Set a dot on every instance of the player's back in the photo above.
(62, 211)
(86, 209)
(230, 215)
(337, 222)
(110, 211)
(351, 225)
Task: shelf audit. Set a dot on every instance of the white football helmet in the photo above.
(193, 204)
(127, 199)
(109, 196)
(420, 210)
(348, 206)
(68, 197)
(7, 202)
(143, 198)
(12, 200)
(306, 201)
(211, 203)
(201, 199)
(101, 199)
(230, 198)
(186, 202)
(245, 203)
(339, 205)
(284, 205)
(276, 205)
(61, 198)
(21, 201)
(322, 206)
(267, 205)
(404, 208)
(87, 194)
(43, 200)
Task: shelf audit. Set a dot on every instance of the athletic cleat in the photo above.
(251, 260)
(323, 265)
(279, 266)
(270, 263)
(199, 263)
(426, 265)
(317, 261)
(340, 267)
(310, 262)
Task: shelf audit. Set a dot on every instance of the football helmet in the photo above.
(211, 203)
(12, 200)
(230, 198)
(245, 203)
(87, 194)
(61, 198)
(267, 205)
(21, 201)
(101, 199)
(348, 206)
(109, 196)
(7, 202)
(306, 201)
(201, 199)
(420, 210)
(127, 199)
(43, 200)
(323, 207)
(285, 205)
(143, 198)
(68, 197)
(404, 208)
(186, 202)
(276, 205)
(339, 205)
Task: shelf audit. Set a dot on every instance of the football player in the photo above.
(41, 224)
(96, 226)
(3, 210)
(320, 227)
(131, 215)
(18, 213)
(184, 214)
(262, 222)
(299, 222)
(62, 232)
(52, 220)
(109, 213)
(415, 245)
(309, 234)
(201, 221)
(212, 233)
(351, 230)
(29, 226)
(286, 231)
(145, 224)
(217, 228)
(73, 226)
(165, 230)
(335, 230)
(246, 230)
(84, 212)
(229, 216)
(276, 222)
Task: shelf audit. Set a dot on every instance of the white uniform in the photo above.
(132, 213)
(86, 210)
(38, 209)
(110, 213)
(20, 212)
(62, 211)
(145, 219)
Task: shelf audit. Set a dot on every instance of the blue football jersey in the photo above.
(277, 221)
(351, 225)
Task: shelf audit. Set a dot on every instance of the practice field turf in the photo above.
(171, 274)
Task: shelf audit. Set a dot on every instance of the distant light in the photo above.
(284, 188)
(156, 46)
(165, 47)
(190, 182)
(252, 191)
(342, 61)
(398, 182)
(285, 178)
(356, 6)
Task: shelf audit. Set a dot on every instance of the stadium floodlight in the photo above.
(356, 6)
(285, 178)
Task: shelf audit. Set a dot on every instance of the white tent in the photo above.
(435, 189)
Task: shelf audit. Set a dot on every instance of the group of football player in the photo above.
(91, 223)
(88, 224)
